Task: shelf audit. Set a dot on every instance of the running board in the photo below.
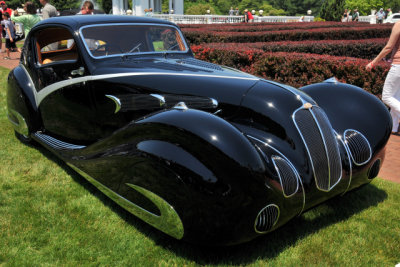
(55, 143)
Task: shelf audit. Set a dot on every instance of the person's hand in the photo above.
(369, 66)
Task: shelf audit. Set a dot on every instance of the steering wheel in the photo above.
(108, 48)
(135, 47)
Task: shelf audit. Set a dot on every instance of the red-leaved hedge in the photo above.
(298, 69)
(260, 27)
(337, 33)
(367, 48)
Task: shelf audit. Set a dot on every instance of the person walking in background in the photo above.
(5, 8)
(345, 16)
(231, 11)
(87, 8)
(248, 17)
(48, 10)
(29, 19)
(389, 12)
(356, 15)
(10, 34)
(380, 16)
(237, 11)
(391, 88)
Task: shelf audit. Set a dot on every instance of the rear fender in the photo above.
(21, 105)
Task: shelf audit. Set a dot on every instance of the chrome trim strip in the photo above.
(128, 54)
(283, 156)
(19, 126)
(117, 102)
(58, 85)
(280, 178)
(350, 162)
(160, 98)
(168, 222)
(288, 88)
(55, 143)
(262, 210)
(369, 146)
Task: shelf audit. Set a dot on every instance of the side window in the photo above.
(55, 45)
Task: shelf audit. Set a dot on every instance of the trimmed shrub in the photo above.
(298, 69)
(202, 36)
(367, 48)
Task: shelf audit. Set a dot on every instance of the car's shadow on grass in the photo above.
(265, 247)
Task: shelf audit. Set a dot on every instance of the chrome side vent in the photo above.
(321, 144)
(359, 147)
(266, 218)
(55, 143)
(288, 176)
(374, 170)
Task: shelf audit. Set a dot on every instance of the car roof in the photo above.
(77, 21)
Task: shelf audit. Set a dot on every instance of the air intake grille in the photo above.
(359, 147)
(322, 146)
(374, 170)
(287, 176)
(267, 218)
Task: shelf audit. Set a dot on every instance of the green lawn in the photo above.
(49, 215)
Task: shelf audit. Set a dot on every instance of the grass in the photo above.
(49, 215)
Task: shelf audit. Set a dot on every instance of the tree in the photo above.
(200, 9)
(365, 6)
(332, 10)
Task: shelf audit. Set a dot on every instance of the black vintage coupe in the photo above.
(204, 153)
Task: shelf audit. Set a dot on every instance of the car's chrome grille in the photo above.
(322, 146)
(288, 176)
(359, 147)
(267, 218)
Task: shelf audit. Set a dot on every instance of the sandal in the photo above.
(6, 58)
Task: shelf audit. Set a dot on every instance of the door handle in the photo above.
(79, 71)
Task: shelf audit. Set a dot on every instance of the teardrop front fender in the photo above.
(212, 130)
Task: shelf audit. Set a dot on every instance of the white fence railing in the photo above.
(213, 19)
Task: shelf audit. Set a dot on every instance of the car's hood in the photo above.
(186, 76)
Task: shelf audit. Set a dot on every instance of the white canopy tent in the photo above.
(120, 6)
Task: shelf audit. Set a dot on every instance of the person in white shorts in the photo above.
(391, 88)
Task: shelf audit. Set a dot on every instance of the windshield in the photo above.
(124, 39)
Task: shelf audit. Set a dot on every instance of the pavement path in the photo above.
(391, 165)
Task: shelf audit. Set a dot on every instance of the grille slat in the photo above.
(322, 146)
(359, 147)
(287, 175)
(267, 218)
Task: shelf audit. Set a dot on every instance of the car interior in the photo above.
(55, 44)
